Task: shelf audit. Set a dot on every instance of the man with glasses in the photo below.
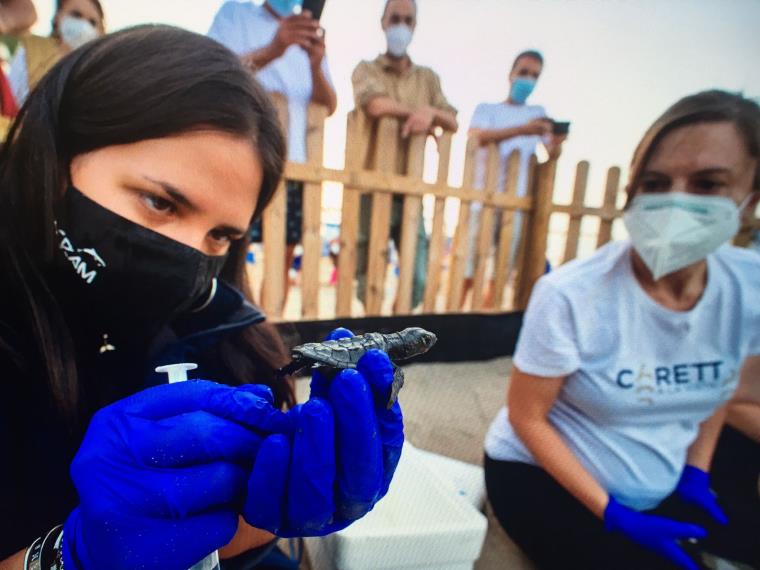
(393, 86)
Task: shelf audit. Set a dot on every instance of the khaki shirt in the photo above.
(416, 87)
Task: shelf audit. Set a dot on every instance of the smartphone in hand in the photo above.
(560, 127)
(315, 7)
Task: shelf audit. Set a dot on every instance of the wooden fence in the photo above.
(446, 269)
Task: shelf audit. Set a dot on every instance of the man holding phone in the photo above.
(283, 43)
(512, 125)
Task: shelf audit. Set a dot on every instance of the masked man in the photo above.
(393, 86)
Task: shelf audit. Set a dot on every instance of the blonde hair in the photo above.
(712, 106)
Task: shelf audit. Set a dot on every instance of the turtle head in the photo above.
(417, 341)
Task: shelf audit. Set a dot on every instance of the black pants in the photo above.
(556, 531)
(735, 471)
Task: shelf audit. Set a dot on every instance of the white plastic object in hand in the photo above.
(177, 372)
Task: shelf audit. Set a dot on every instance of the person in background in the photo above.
(75, 23)
(127, 190)
(626, 361)
(513, 125)
(392, 85)
(16, 16)
(287, 52)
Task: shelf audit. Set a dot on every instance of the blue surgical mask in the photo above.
(521, 89)
(285, 8)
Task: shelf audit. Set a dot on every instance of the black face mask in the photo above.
(124, 277)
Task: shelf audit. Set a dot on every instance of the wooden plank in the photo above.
(534, 262)
(409, 227)
(273, 236)
(520, 274)
(395, 183)
(435, 253)
(506, 232)
(459, 247)
(387, 148)
(609, 206)
(485, 233)
(349, 228)
(312, 214)
(576, 217)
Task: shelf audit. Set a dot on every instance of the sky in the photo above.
(611, 66)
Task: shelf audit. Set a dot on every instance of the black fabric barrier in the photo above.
(461, 338)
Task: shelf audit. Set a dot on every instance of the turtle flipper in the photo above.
(398, 382)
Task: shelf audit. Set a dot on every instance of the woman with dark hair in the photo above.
(75, 23)
(127, 187)
(627, 358)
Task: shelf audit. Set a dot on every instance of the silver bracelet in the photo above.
(33, 549)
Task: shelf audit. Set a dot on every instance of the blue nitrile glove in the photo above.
(162, 475)
(341, 460)
(694, 488)
(658, 534)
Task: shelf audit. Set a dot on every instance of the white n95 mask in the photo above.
(399, 37)
(75, 32)
(672, 230)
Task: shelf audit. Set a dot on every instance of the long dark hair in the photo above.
(143, 83)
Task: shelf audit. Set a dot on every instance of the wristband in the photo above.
(32, 553)
(45, 553)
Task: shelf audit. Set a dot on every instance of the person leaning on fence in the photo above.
(75, 22)
(127, 188)
(393, 86)
(627, 358)
(287, 52)
(514, 126)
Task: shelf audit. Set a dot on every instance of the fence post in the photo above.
(410, 220)
(576, 211)
(387, 148)
(312, 215)
(356, 150)
(534, 261)
(506, 233)
(435, 255)
(273, 236)
(458, 257)
(609, 208)
(485, 233)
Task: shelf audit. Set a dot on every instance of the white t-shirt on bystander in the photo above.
(640, 378)
(245, 27)
(502, 116)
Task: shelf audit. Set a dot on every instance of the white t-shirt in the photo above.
(640, 378)
(501, 116)
(245, 27)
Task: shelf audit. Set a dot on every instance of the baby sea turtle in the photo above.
(346, 352)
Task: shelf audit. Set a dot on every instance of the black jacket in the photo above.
(37, 446)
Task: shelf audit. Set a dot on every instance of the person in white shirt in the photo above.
(626, 360)
(513, 125)
(287, 51)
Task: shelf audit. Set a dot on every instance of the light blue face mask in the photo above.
(521, 89)
(285, 8)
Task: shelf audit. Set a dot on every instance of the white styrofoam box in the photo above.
(421, 524)
(468, 479)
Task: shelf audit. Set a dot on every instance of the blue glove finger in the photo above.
(189, 439)
(311, 480)
(267, 486)
(710, 505)
(359, 448)
(377, 369)
(200, 395)
(676, 529)
(260, 390)
(319, 382)
(694, 488)
(674, 553)
(195, 490)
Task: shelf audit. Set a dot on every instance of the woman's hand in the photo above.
(162, 475)
(658, 534)
(694, 488)
(341, 459)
